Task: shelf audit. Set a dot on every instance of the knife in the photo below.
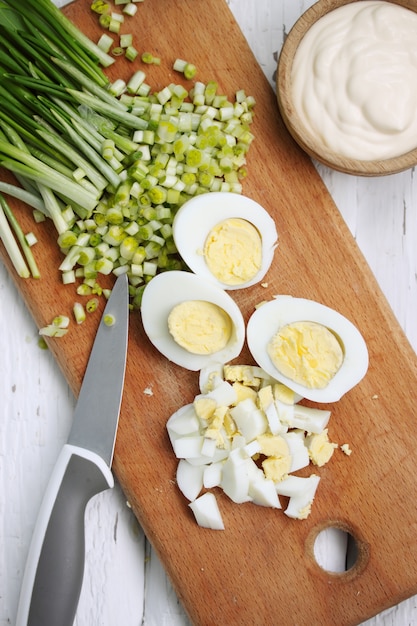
(55, 566)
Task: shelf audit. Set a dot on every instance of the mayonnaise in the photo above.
(354, 80)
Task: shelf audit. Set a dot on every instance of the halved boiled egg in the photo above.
(191, 321)
(225, 237)
(309, 347)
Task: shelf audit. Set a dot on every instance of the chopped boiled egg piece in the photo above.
(210, 376)
(250, 420)
(320, 449)
(235, 476)
(209, 447)
(229, 425)
(243, 392)
(212, 476)
(183, 422)
(188, 447)
(276, 468)
(301, 492)
(278, 459)
(203, 459)
(189, 479)
(204, 407)
(284, 394)
(243, 374)
(310, 419)
(298, 450)
(263, 492)
(206, 512)
(238, 441)
(267, 404)
(215, 425)
(273, 445)
(223, 394)
(253, 448)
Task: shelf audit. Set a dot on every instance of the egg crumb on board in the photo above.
(223, 440)
(346, 449)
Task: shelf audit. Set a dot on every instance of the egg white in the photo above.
(168, 289)
(271, 316)
(198, 216)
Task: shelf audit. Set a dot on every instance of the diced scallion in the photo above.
(110, 164)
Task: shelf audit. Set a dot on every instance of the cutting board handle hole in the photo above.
(336, 550)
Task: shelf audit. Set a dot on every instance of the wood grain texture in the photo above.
(261, 569)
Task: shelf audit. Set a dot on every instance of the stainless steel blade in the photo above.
(97, 410)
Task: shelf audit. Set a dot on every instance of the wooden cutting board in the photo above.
(261, 570)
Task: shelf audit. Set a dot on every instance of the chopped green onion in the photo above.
(105, 42)
(79, 313)
(126, 40)
(31, 239)
(131, 53)
(130, 9)
(118, 51)
(188, 69)
(100, 7)
(150, 59)
(109, 320)
(13, 251)
(91, 305)
(111, 164)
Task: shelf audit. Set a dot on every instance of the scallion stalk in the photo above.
(13, 250)
(111, 165)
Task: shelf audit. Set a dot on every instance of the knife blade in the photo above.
(54, 570)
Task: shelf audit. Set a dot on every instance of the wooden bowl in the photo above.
(292, 120)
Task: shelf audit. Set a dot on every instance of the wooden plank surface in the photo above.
(261, 569)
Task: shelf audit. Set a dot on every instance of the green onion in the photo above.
(188, 69)
(131, 53)
(130, 9)
(100, 7)
(150, 59)
(110, 164)
(92, 305)
(109, 320)
(79, 313)
(57, 328)
(10, 244)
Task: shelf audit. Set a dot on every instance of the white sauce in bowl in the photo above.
(354, 80)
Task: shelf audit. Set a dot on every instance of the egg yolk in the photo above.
(307, 353)
(200, 327)
(233, 251)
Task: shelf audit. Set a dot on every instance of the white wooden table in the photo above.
(124, 583)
